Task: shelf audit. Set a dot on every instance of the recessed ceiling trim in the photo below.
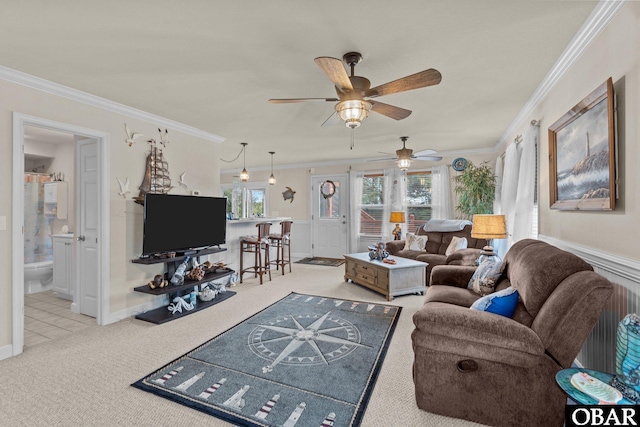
(57, 89)
(601, 15)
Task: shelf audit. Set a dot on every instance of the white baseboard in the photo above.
(300, 255)
(132, 311)
(6, 351)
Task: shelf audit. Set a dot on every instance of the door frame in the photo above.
(347, 187)
(17, 220)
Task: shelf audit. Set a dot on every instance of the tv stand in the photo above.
(162, 314)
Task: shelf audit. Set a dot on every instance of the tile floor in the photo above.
(48, 317)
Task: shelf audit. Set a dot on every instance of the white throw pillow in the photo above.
(456, 244)
(415, 243)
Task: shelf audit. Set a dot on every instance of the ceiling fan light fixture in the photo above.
(404, 164)
(272, 178)
(353, 112)
(244, 175)
(404, 155)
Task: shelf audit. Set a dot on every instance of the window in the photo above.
(372, 205)
(246, 201)
(329, 207)
(373, 199)
(418, 199)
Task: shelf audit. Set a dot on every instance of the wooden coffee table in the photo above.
(405, 277)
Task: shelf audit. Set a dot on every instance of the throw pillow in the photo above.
(456, 244)
(415, 243)
(486, 276)
(503, 302)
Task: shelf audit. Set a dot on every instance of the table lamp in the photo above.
(398, 218)
(488, 227)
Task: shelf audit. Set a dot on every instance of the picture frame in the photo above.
(582, 166)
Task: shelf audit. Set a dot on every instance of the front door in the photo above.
(88, 228)
(330, 203)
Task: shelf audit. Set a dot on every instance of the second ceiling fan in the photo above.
(355, 92)
(405, 155)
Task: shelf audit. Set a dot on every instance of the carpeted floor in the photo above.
(331, 262)
(84, 379)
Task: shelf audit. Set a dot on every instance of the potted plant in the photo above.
(475, 188)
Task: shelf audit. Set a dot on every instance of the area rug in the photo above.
(305, 360)
(331, 262)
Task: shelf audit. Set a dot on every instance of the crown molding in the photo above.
(57, 89)
(601, 15)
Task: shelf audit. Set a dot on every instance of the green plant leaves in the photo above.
(475, 188)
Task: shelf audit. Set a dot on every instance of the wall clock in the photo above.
(459, 164)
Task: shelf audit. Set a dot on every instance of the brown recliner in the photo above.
(500, 371)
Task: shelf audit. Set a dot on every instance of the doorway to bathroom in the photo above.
(49, 223)
(59, 246)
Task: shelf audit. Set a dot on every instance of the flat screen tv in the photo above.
(180, 223)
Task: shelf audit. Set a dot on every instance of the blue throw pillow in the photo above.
(503, 302)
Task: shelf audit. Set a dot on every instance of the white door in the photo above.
(330, 204)
(88, 228)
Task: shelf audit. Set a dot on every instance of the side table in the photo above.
(589, 387)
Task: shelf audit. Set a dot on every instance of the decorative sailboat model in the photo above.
(156, 175)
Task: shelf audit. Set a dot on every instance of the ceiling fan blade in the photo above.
(382, 159)
(334, 69)
(290, 100)
(432, 158)
(425, 153)
(332, 120)
(424, 78)
(390, 110)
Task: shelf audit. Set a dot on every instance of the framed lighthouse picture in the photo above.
(582, 162)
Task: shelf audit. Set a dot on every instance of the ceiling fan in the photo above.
(405, 155)
(355, 92)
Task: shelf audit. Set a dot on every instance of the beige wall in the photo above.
(614, 53)
(184, 153)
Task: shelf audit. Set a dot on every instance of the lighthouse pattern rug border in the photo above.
(305, 360)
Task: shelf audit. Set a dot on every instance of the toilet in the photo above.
(38, 276)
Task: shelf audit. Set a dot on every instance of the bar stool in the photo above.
(256, 244)
(281, 241)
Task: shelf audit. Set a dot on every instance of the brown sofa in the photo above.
(437, 243)
(508, 378)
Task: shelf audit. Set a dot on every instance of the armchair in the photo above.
(501, 371)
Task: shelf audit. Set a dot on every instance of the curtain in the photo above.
(355, 187)
(523, 218)
(395, 199)
(510, 189)
(440, 192)
(497, 200)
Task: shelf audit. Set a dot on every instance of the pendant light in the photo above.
(272, 179)
(244, 175)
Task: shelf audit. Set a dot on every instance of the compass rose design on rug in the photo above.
(338, 339)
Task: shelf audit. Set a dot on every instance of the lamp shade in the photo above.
(397, 217)
(489, 227)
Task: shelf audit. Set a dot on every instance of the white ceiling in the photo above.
(214, 64)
